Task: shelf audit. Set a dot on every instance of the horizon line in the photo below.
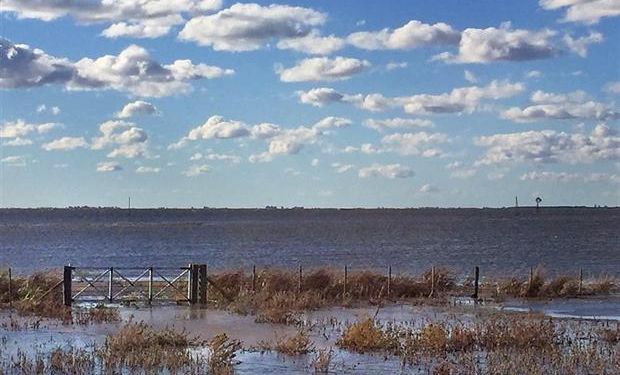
(282, 208)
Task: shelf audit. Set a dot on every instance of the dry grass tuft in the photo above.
(294, 345)
(223, 353)
(322, 361)
(71, 361)
(367, 335)
(138, 346)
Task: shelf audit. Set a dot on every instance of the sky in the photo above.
(193, 103)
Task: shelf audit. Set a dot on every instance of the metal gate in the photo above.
(135, 284)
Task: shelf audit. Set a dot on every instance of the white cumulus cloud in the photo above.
(552, 106)
(549, 146)
(502, 44)
(390, 171)
(124, 138)
(461, 99)
(411, 35)
(132, 71)
(323, 69)
(584, 11)
(248, 27)
(130, 18)
(420, 143)
(138, 107)
(65, 144)
(144, 170)
(428, 188)
(580, 45)
(108, 166)
(382, 125)
(197, 170)
(14, 161)
(291, 141)
(313, 43)
(18, 130)
(570, 177)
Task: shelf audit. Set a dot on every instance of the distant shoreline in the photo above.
(268, 208)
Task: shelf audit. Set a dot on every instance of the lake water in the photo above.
(500, 241)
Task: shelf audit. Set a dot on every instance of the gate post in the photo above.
(110, 282)
(203, 285)
(150, 285)
(193, 283)
(66, 286)
(476, 282)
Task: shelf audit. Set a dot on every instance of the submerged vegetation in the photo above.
(135, 348)
(281, 296)
(498, 344)
(484, 343)
(491, 344)
(39, 295)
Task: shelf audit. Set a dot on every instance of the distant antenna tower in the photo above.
(129, 204)
(516, 201)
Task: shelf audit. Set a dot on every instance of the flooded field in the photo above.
(324, 328)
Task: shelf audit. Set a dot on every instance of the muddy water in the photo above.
(325, 327)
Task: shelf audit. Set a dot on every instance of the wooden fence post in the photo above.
(389, 282)
(202, 288)
(150, 285)
(189, 283)
(344, 288)
(193, 285)
(254, 278)
(300, 280)
(476, 281)
(432, 294)
(110, 282)
(10, 288)
(66, 285)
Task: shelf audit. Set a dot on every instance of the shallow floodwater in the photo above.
(501, 241)
(325, 328)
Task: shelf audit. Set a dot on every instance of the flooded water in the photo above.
(325, 327)
(501, 241)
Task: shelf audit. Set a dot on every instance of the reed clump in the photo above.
(223, 353)
(71, 361)
(538, 285)
(322, 361)
(280, 296)
(610, 335)
(40, 295)
(297, 344)
(97, 315)
(139, 346)
(498, 344)
(368, 335)
(33, 295)
(136, 348)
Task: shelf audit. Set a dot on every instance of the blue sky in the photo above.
(318, 104)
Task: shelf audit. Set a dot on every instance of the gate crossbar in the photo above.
(131, 284)
(91, 284)
(171, 284)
